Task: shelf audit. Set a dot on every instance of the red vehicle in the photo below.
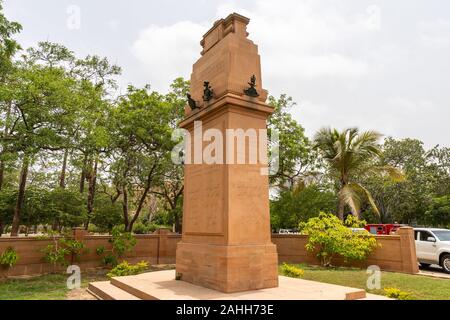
(383, 229)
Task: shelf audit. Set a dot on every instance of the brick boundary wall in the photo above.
(397, 252)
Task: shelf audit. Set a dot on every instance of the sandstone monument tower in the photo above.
(226, 242)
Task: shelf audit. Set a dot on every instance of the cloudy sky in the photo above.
(381, 65)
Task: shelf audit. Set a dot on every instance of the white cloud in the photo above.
(372, 18)
(435, 32)
(314, 43)
(168, 52)
(344, 66)
(113, 24)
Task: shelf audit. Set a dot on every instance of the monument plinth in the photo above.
(226, 241)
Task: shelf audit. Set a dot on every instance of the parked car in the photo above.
(433, 247)
(358, 230)
(288, 231)
(383, 229)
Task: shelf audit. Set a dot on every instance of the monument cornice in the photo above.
(231, 100)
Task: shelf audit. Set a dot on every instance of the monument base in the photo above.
(228, 268)
(161, 285)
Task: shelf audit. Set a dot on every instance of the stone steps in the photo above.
(104, 290)
(131, 287)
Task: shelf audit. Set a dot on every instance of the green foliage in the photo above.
(55, 255)
(352, 222)
(62, 249)
(74, 248)
(141, 228)
(397, 294)
(9, 258)
(439, 212)
(427, 176)
(65, 208)
(8, 46)
(295, 157)
(110, 259)
(126, 269)
(294, 206)
(352, 153)
(329, 237)
(290, 270)
(121, 243)
(106, 214)
(100, 250)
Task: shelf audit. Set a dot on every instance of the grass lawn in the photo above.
(46, 287)
(53, 286)
(419, 287)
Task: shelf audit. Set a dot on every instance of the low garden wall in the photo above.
(397, 252)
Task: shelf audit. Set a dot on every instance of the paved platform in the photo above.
(433, 271)
(161, 285)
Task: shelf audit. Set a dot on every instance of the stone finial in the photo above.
(234, 23)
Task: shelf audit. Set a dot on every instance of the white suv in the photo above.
(433, 247)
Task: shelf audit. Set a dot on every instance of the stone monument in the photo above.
(226, 241)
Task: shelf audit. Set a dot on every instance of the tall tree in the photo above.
(140, 135)
(170, 184)
(296, 160)
(97, 76)
(41, 100)
(426, 177)
(350, 153)
(8, 48)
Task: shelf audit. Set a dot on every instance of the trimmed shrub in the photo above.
(292, 271)
(397, 294)
(126, 269)
(329, 237)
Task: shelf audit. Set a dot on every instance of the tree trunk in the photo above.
(55, 225)
(20, 198)
(125, 208)
(2, 173)
(341, 208)
(83, 174)
(341, 203)
(5, 135)
(91, 193)
(177, 222)
(62, 177)
(142, 199)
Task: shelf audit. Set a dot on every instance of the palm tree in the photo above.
(350, 153)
